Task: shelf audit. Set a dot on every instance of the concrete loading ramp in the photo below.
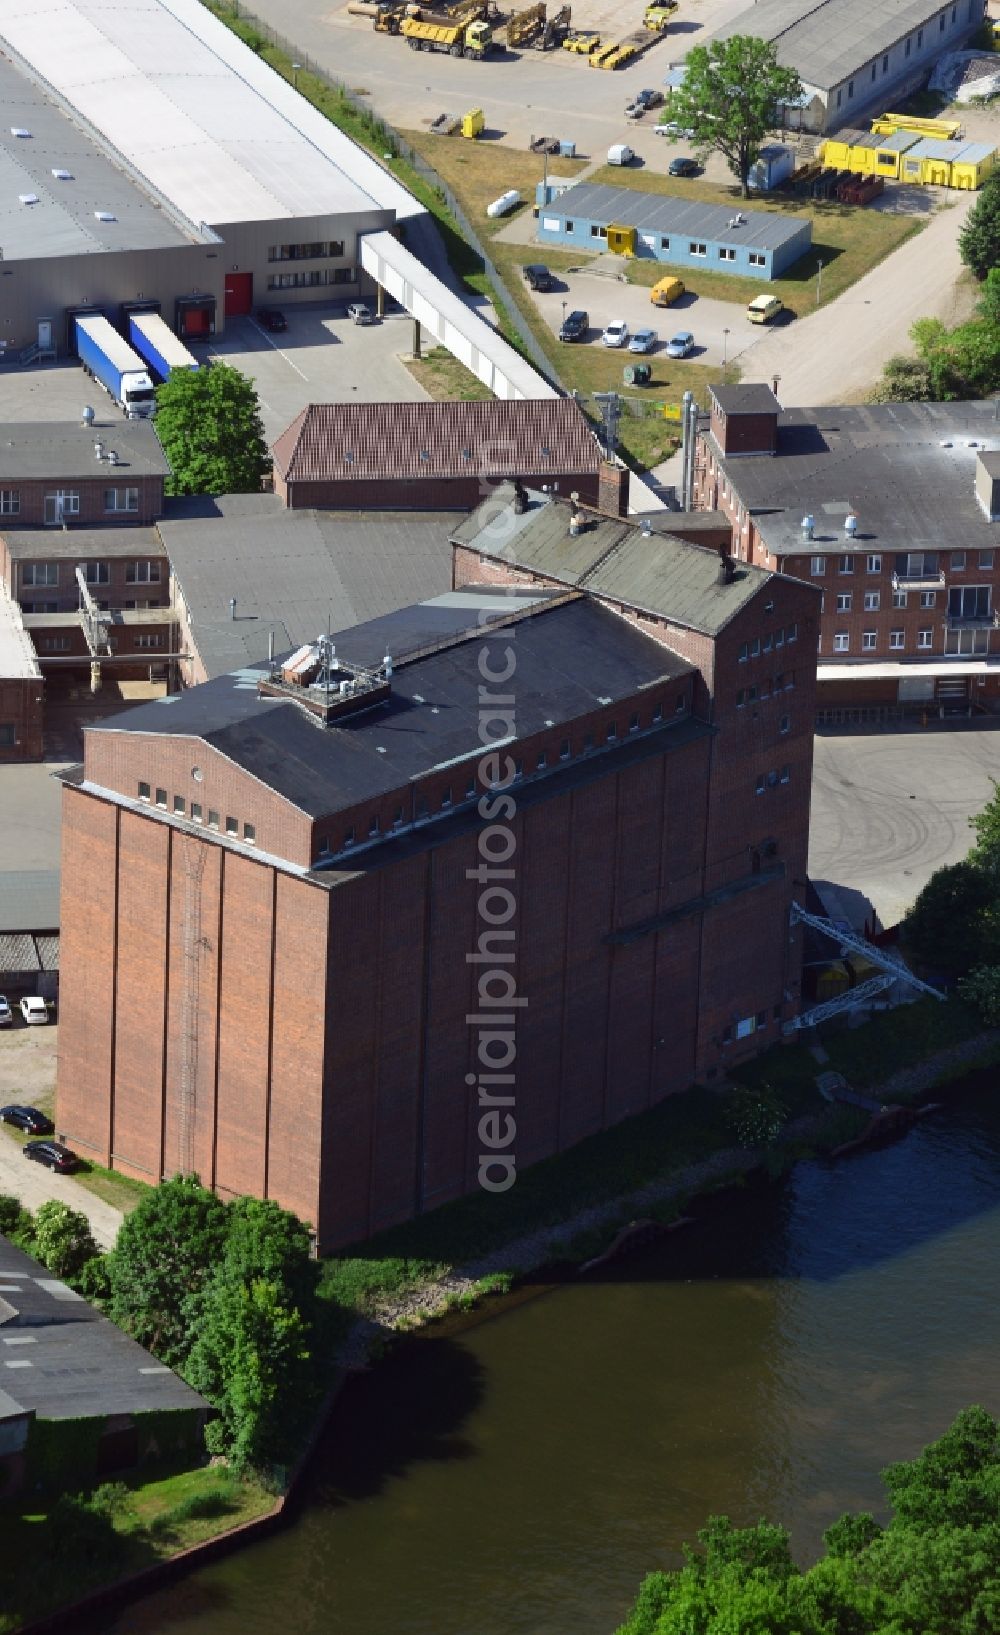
(451, 322)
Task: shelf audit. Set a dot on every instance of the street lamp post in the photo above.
(819, 278)
(564, 314)
(725, 352)
(295, 75)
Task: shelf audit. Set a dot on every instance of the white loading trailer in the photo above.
(158, 345)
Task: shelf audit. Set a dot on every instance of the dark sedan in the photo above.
(682, 167)
(28, 1119)
(270, 318)
(53, 1154)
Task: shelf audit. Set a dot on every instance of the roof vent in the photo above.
(808, 525)
(576, 523)
(105, 215)
(387, 664)
(19, 130)
(727, 569)
(850, 525)
(87, 415)
(520, 498)
(945, 443)
(27, 198)
(99, 450)
(112, 457)
(645, 529)
(62, 175)
(972, 443)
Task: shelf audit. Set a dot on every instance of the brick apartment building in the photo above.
(77, 497)
(271, 884)
(893, 512)
(436, 456)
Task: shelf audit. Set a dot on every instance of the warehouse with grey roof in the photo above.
(855, 58)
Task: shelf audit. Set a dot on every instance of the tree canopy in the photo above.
(209, 423)
(165, 1251)
(932, 1571)
(979, 239)
(730, 99)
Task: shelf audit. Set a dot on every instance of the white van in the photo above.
(620, 154)
(763, 309)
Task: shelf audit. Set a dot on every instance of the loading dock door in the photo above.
(239, 294)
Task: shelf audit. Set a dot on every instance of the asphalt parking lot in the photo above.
(889, 808)
(607, 301)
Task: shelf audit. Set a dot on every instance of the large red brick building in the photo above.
(892, 511)
(275, 915)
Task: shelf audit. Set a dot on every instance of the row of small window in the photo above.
(311, 280)
(473, 788)
(180, 808)
(869, 641)
(67, 504)
(105, 607)
(695, 247)
(771, 780)
(748, 1025)
(908, 563)
(766, 644)
(36, 574)
(942, 24)
(873, 600)
(322, 251)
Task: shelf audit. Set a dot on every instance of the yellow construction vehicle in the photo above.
(433, 32)
(581, 41)
(524, 25)
(555, 30)
(657, 17)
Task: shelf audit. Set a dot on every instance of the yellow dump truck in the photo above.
(657, 17)
(460, 39)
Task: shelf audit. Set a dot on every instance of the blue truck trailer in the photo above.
(158, 345)
(112, 363)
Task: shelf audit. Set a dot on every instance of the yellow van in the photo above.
(763, 308)
(666, 292)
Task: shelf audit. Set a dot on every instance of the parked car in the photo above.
(682, 167)
(763, 309)
(52, 1153)
(271, 319)
(681, 344)
(650, 99)
(620, 153)
(360, 312)
(6, 1014)
(616, 334)
(538, 277)
(35, 1011)
(26, 1118)
(643, 340)
(671, 128)
(575, 326)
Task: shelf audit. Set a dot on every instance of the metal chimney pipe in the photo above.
(232, 607)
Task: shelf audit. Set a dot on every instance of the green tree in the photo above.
(16, 1222)
(953, 925)
(209, 423)
(979, 240)
(730, 99)
(986, 826)
(264, 1240)
(904, 380)
(63, 1239)
(165, 1253)
(988, 305)
(981, 988)
(249, 1361)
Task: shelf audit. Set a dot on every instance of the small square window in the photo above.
(844, 603)
(397, 818)
(779, 681)
(564, 750)
(895, 640)
(657, 714)
(758, 787)
(179, 805)
(348, 838)
(768, 644)
(785, 774)
(841, 642)
(785, 725)
(986, 559)
(612, 732)
(446, 796)
(232, 827)
(958, 561)
(793, 632)
(470, 789)
(740, 699)
(374, 826)
(752, 693)
(161, 799)
(846, 564)
(925, 638)
(213, 819)
(633, 722)
(588, 741)
(899, 598)
(868, 641)
(144, 791)
(761, 1019)
(872, 601)
(195, 812)
(928, 598)
(681, 705)
(755, 648)
(744, 653)
(543, 761)
(874, 564)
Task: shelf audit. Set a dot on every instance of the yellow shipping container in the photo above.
(947, 129)
(888, 157)
(835, 152)
(970, 167)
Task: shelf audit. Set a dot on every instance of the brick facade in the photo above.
(20, 718)
(23, 502)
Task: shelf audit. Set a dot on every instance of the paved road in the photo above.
(836, 355)
(35, 1185)
(891, 807)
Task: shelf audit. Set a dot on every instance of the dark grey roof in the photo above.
(72, 544)
(906, 470)
(297, 572)
(59, 1356)
(572, 658)
(29, 899)
(665, 213)
(60, 449)
(656, 572)
(827, 42)
(752, 398)
(63, 221)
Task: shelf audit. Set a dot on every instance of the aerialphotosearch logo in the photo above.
(495, 1020)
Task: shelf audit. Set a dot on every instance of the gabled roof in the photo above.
(403, 441)
(828, 41)
(655, 572)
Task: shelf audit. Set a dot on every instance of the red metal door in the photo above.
(239, 294)
(195, 323)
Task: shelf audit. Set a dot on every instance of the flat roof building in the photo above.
(743, 242)
(151, 155)
(310, 829)
(855, 58)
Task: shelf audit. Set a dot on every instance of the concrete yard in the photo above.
(890, 807)
(606, 300)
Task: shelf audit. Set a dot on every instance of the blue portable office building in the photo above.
(728, 239)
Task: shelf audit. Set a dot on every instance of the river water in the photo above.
(518, 1477)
